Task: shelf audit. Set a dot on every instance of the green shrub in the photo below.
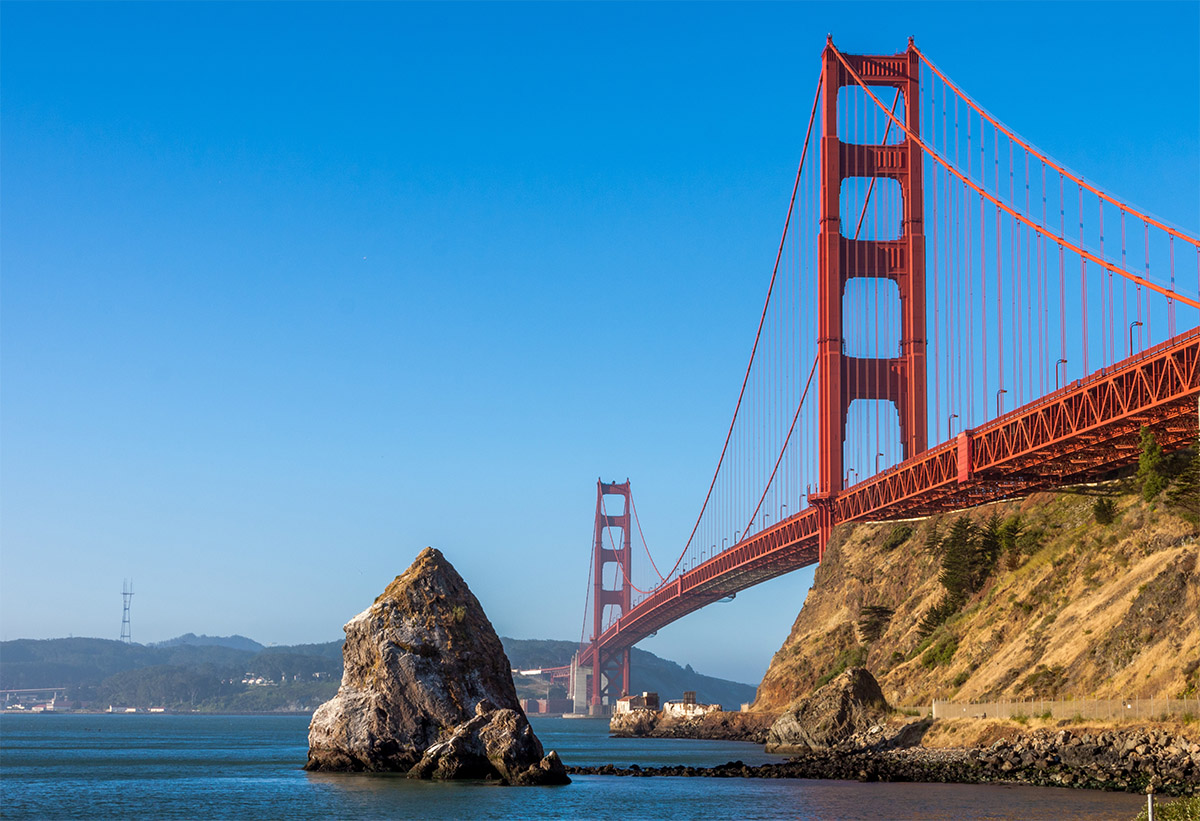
(1104, 511)
(940, 653)
(855, 656)
(1181, 809)
(899, 535)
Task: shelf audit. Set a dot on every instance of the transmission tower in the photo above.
(126, 595)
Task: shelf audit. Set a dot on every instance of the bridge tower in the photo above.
(611, 673)
(843, 378)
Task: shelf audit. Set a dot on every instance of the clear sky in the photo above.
(290, 291)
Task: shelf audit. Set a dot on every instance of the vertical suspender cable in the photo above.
(1083, 287)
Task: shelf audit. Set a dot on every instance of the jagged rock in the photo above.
(851, 703)
(495, 744)
(424, 670)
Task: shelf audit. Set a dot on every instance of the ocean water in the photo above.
(197, 767)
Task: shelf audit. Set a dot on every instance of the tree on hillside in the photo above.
(1150, 465)
(1184, 492)
(991, 543)
(959, 561)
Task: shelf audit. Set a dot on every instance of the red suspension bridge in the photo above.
(939, 280)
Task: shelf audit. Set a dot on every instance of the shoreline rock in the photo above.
(714, 726)
(851, 703)
(1113, 760)
(427, 690)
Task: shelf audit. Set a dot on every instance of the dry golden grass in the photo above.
(1089, 611)
(982, 732)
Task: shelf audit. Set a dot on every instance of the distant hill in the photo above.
(649, 672)
(210, 672)
(189, 673)
(233, 642)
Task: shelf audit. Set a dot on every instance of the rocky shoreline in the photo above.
(1115, 760)
(717, 725)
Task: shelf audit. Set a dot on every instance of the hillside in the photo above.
(189, 672)
(1039, 597)
(237, 674)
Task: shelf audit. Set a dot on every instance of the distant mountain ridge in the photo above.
(225, 673)
(234, 642)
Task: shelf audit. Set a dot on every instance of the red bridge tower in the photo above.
(844, 378)
(610, 674)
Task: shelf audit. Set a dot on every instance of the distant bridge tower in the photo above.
(610, 675)
(844, 379)
(126, 596)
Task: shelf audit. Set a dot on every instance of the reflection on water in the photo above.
(120, 766)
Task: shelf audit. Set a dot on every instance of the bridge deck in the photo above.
(1083, 430)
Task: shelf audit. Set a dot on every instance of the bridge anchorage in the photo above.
(954, 268)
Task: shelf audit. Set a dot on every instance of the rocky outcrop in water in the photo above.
(427, 690)
(851, 703)
(725, 726)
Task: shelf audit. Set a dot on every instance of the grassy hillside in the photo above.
(1088, 592)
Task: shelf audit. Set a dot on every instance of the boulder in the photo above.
(495, 744)
(425, 676)
(851, 703)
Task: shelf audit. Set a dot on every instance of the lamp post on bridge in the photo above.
(877, 455)
(998, 394)
(1132, 325)
(949, 430)
(1056, 364)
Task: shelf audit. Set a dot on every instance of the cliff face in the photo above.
(1065, 606)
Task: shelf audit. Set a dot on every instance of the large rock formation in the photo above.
(427, 690)
(851, 703)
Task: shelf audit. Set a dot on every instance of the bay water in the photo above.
(226, 767)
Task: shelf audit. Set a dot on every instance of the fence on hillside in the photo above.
(1133, 709)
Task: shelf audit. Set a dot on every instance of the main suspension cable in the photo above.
(746, 378)
(984, 194)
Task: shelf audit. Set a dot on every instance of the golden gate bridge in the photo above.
(952, 318)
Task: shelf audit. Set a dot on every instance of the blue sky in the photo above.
(290, 291)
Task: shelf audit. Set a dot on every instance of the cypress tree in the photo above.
(1150, 465)
(1184, 492)
(958, 560)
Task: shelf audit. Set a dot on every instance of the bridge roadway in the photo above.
(1080, 431)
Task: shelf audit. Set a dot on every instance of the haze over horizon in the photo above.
(291, 291)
